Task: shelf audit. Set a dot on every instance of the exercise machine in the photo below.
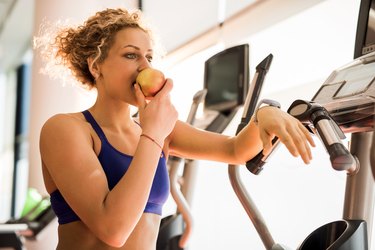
(224, 91)
(341, 105)
(234, 170)
(14, 232)
(345, 103)
(175, 230)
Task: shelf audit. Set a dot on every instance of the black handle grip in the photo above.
(255, 165)
(251, 101)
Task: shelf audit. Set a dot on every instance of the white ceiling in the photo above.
(5, 8)
(191, 18)
(16, 25)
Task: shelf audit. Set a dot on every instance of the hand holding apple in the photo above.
(151, 81)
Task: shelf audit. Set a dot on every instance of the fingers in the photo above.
(297, 140)
(306, 151)
(289, 143)
(267, 142)
(293, 134)
(166, 89)
(294, 141)
(302, 147)
(140, 98)
(306, 139)
(307, 134)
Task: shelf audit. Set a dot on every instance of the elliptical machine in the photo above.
(14, 232)
(344, 108)
(345, 103)
(222, 95)
(176, 229)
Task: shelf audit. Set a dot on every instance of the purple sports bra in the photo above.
(115, 164)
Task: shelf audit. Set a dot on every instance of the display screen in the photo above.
(226, 75)
(365, 37)
(348, 89)
(222, 81)
(356, 79)
(370, 33)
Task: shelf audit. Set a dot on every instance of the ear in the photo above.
(93, 67)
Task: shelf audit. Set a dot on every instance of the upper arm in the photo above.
(66, 149)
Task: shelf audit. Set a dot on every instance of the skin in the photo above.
(115, 219)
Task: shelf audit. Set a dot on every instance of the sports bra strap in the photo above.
(94, 124)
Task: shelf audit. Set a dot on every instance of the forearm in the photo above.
(247, 143)
(192, 143)
(124, 204)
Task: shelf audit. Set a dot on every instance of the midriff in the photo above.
(76, 235)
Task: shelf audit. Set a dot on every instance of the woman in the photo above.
(106, 173)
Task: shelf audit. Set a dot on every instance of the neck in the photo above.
(112, 115)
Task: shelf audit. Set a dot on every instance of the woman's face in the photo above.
(130, 53)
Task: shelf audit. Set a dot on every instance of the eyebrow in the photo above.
(134, 47)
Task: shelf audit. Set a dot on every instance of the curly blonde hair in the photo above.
(71, 47)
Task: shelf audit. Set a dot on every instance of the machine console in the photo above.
(349, 95)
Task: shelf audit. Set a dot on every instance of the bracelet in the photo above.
(152, 139)
(262, 103)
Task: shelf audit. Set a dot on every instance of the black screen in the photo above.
(365, 38)
(370, 33)
(226, 76)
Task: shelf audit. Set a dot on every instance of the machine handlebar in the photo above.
(318, 121)
(313, 115)
(255, 165)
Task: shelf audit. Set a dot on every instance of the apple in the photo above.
(151, 81)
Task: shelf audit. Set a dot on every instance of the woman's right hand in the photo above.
(158, 115)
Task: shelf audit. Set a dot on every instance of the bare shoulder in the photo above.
(63, 131)
(62, 119)
(61, 123)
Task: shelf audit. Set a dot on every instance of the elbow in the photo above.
(114, 230)
(113, 235)
(115, 242)
(115, 239)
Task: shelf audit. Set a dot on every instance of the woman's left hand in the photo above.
(291, 132)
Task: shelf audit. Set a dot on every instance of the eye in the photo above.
(149, 58)
(131, 55)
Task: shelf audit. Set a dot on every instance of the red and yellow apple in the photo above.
(151, 81)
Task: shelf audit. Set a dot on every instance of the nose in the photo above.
(144, 63)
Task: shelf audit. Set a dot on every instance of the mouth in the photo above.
(135, 83)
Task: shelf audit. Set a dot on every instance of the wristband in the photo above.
(263, 103)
